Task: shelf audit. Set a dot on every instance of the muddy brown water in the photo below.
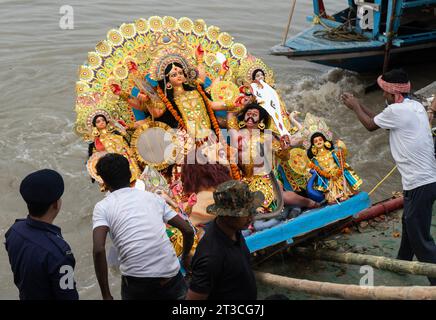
(38, 69)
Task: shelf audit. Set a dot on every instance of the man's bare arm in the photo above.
(365, 116)
(100, 264)
(188, 239)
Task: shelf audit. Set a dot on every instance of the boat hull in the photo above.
(359, 56)
(373, 61)
(288, 231)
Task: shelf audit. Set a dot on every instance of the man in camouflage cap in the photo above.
(233, 198)
(221, 264)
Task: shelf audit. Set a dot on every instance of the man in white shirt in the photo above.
(412, 148)
(135, 221)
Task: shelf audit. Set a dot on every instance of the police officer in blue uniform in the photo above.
(41, 260)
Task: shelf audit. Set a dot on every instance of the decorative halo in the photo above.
(199, 27)
(225, 39)
(313, 124)
(239, 51)
(298, 161)
(249, 66)
(185, 25)
(165, 58)
(128, 30)
(96, 113)
(216, 66)
(103, 48)
(141, 56)
(81, 87)
(170, 23)
(142, 26)
(121, 72)
(156, 23)
(212, 33)
(85, 73)
(94, 60)
(225, 91)
(92, 163)
(114, 37)
(209, 59)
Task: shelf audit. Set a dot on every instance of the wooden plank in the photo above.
(382, 263)
(347, 291)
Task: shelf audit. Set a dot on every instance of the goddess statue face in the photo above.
(259, 76)
(318, 142)
(100, 123)
(176, 76)
(251, 118)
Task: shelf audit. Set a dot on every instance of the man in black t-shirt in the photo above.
(221, 265)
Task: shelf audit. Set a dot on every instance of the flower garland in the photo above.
(324, 173)
(234, 168)
(170, 107)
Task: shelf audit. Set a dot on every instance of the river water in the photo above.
(38, 70)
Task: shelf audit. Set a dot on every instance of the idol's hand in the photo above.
(285, 142)
(139, 123)
(132, 66)
(340, 144)
(192, 200)
(199, 54)
(350, 101)
(116, 89)
(143, 97)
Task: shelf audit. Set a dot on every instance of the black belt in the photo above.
(161, 281)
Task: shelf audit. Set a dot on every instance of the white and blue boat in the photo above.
(309, 223)
(366, 35)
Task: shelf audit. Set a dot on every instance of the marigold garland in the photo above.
(170, 107)
(234, 168)
(324, 173)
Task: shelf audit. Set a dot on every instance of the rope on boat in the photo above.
(344, 32)
(382, 180)
(344, 291)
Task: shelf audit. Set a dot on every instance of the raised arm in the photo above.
(365, 116)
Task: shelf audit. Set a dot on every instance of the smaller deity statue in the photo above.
(111, 137)
(334, 176)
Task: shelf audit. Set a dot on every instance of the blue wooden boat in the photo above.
(308, 223)
(404, 29)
